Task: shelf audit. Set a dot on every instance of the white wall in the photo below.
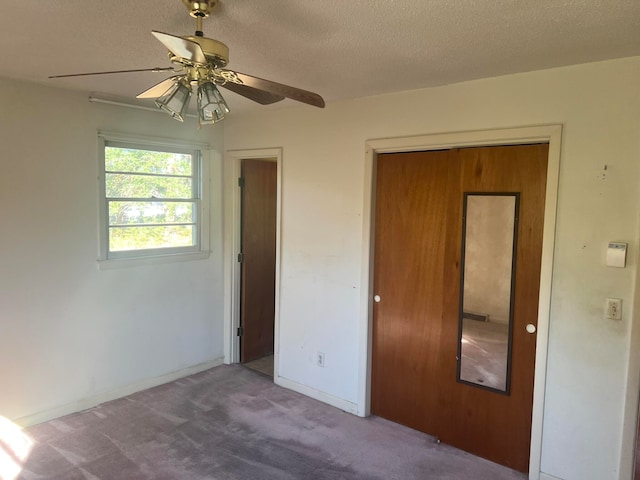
(70, 332)
(591, 384)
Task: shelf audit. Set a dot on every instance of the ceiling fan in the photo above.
(199, 63)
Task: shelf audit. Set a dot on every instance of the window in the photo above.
(152, 199)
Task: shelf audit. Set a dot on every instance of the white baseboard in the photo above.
(113, 394)
(340, 403)
(546, 476)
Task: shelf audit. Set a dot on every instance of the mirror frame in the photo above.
(466, 195)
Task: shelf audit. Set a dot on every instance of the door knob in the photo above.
(376, 298)
(531, 328)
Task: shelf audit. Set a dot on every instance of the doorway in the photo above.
(257, 258)
(232, 172)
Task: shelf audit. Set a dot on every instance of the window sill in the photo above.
(154, 260)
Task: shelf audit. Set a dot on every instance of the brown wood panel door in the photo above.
(418, 241)
(258, 246)
(412, 196)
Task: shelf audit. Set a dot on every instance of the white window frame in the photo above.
(200, 155)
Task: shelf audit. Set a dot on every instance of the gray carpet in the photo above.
(232, 423)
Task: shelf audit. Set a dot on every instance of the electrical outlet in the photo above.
(320, 359)
(614, 309)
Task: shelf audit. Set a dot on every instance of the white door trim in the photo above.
(232, 203)
(509, 136)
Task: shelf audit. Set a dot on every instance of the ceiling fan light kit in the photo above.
(175, 101)
(199, 62)
(211, 105)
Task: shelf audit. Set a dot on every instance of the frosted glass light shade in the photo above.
(211, 106)
(175, 101)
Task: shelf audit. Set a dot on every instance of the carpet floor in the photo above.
(232, 423)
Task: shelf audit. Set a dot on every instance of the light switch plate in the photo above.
(617, 254)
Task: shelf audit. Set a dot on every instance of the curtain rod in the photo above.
(93, 99)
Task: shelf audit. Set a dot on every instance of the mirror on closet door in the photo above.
(489, 241)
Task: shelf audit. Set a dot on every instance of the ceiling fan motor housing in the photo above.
(216, 52)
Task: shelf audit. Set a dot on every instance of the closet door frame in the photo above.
(551, 134)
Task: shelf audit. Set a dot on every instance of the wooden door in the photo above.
(258, 246)
(418, 232)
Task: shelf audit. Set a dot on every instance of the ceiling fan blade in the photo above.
(279, 89)
(181, 47)
(260, 96)
(158, 89)
(154, 69)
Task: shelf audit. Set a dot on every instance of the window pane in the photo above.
(140, 213)
(152, 194)
(146, 161)
(139, 238)
(132, 186)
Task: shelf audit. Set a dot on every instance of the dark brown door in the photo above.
(418, 235)
(258, 246)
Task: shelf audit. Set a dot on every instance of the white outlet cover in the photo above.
(613, 309)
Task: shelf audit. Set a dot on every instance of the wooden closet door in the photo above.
(418, 238)
(413, 196)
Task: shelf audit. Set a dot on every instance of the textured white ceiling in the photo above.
(337, 48)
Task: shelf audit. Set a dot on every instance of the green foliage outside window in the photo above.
(150, 198)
